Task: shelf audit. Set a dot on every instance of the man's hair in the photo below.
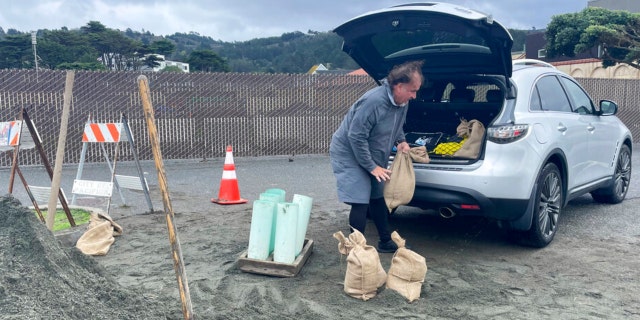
(402, 73)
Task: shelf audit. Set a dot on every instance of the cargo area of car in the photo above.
(441, 104)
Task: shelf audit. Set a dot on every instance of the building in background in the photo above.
(322, 69)
(628, 5)
(166, 63)
(586, 64)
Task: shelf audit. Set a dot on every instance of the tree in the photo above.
(163, 47)
(117, 51)
(151, 60)
(207, 60)
(519, 39)
(172, 69)
(93, 27)
(16, 52)
(617, 33)
(93, 66)
(61, 49)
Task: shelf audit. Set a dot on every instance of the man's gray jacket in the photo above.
(363, 141)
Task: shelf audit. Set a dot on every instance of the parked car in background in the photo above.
(545, 142)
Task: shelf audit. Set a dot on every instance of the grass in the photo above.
(80, 216)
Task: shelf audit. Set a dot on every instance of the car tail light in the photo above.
(507, 133)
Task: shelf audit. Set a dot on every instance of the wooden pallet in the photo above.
(276, 269)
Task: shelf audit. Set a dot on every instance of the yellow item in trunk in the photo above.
(448, 148)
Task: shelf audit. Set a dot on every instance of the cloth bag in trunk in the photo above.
(365, 274)
(474, 132)
(419, 154)
(408, 270)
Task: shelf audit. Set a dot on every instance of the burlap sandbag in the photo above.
(399, 189)
(419, 154)
(364, 275)
(474, 132)
(408, 270)
(99, 237)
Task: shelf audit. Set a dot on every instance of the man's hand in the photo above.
(403, 147)
(381, 174)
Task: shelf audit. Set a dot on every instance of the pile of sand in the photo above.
(42, 279)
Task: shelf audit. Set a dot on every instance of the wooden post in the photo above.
(45, 161)
(62, 139)
(14, 166)
(176, 251)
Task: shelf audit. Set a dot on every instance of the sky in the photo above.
(241, 20)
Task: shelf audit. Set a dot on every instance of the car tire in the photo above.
(548, 205)
(617, 190)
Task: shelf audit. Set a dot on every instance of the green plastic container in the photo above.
(261, 229)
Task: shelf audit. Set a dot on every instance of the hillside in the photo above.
(293, 52)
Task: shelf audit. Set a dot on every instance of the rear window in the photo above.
(409, 42)
(551, 95)
(476, 92)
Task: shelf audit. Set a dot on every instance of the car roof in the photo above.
(449, 38)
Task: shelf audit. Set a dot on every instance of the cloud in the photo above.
(240, 20)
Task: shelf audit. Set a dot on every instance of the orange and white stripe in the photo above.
(101, 132)
(229, 192)
(229, 169)
(14, 133)
(11, 132)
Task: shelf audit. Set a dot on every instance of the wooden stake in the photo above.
(62, 139)
(14, 163)
(176, 251)
(26, 187)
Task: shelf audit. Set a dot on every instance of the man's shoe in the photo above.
(387, 247)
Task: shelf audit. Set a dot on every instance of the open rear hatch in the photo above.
(449, 39)
(464, 51)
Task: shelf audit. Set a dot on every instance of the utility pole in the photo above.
(35, 54)
(34, 43)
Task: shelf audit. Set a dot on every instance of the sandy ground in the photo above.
(590, 271)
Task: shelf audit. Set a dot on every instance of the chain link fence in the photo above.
(624, 92)
(199, 114)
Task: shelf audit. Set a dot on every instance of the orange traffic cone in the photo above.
(229, 192)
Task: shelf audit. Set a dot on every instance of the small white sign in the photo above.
(93, 188)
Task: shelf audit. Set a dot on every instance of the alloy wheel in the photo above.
(549, 204)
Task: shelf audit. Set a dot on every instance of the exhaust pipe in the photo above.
(446, 212)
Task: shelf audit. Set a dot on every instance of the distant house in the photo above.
(162, 63)
(322, 69)
(166, 63)
(358, 72)
(535, 44)
(318, 68)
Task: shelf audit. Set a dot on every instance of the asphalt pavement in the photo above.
(192, 184)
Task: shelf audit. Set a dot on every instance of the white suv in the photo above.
(545, 143)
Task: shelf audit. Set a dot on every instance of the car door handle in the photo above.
(561, 127)
(591, 128)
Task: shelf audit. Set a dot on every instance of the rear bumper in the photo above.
(434, 196)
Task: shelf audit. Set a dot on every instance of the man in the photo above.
(361, 146)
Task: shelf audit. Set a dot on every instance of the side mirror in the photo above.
(608, 108)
